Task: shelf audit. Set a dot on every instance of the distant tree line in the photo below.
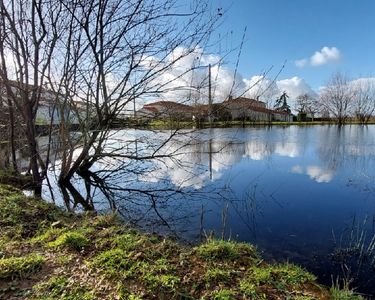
(341, 100)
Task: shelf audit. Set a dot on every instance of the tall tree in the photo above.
(282, 104)
(337, 97)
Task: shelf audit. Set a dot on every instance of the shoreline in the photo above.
(50, 254)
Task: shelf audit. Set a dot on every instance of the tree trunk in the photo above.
(12, 136)
(31, 139)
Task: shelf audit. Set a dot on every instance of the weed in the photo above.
(20, 267)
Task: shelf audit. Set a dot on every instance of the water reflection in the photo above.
(285, 189)
(315, 173)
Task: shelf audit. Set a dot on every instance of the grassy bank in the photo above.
(49, 254)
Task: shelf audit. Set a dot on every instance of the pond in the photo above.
(301, 194)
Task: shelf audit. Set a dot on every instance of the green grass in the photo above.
(63, 288)
(20, 267)
(217, 275)
(114, 263)
(226, 250)
(224, 294)
(343, 294)
(73, 240)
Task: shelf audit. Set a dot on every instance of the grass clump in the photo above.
(225, 250)
(61, 287)
(343, 294)
(114, 263)
(217, 275)
(248, 289)
(20, 267)
(291, 274)
(73, 240)
(224, 294)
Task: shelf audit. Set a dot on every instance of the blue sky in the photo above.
(279, 30)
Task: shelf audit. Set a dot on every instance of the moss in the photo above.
(20, 267)
(73, 240)
(64, 288)
(49, 235)
(226, 250)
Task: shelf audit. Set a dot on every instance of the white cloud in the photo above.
(182, 84)
(324, 56)
(187, 79)
(262, 87)
(294, 87)
(301, 62)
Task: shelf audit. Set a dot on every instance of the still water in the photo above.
(302, 194)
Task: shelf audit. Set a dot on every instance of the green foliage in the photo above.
(225, 250)
(64, 288)
(73, 240)
(20, 267)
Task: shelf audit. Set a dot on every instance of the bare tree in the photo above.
(337, 98)
(307, 104)
(364, 102)
(98, 58)
(28, 41)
